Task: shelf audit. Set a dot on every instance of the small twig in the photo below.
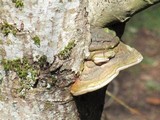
(132, 110)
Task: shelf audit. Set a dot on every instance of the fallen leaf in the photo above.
(153, 101)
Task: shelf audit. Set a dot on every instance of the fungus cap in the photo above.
(95, 77)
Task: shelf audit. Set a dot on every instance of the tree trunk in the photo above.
(43, 44)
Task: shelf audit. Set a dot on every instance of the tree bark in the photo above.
(42, 46)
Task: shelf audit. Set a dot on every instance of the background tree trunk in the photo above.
(42, 45)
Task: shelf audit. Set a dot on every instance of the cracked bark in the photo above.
(56, 23)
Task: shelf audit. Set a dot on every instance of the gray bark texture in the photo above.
(42, 46)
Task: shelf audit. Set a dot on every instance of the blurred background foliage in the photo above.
(149, 19)
(139, 86)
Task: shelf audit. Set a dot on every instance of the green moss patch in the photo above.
(111, 32)
(29, 74)
(26, 71)
(18, 3)
(65, 53)
(22, 67)
(43, 61)
(36, 40)
(7, 28)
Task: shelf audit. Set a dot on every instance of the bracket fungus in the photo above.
(94, 77)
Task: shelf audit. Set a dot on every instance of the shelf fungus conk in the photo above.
(94, 77)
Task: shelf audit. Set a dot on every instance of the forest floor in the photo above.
(139, 86)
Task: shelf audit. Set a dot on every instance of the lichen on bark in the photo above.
(44, 28)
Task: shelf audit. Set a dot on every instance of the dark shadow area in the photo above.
(118, 28)
(90, 105)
